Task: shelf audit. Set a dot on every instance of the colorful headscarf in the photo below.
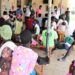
(23, 61)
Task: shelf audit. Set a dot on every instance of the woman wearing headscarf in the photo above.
(6, 57)
(25, 56)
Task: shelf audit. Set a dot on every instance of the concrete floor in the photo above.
(56, 67)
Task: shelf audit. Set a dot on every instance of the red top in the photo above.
(29, 23)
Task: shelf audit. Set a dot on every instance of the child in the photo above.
(62, 31)
(18, 27)
(36, 28)
(25, 37)
(53, 22)
(69, 41)
(39, 10)
(52, 37)
(29, 23)
(39, 18)
(72, 68)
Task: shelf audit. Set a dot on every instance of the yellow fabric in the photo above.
(18, 27)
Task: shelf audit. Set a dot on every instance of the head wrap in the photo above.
(6, 32)
(9, 44)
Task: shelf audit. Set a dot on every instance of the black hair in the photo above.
(4, 12)
(63, 23)
(40, 6)
(73, 34)
(35, 20)
(46, 15)
(55, 7)
(25, 37)
(2, 21)
(10, 12)
(19, 6)
(39, 15)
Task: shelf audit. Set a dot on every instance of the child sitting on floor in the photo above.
(52, 37)
(69, 42)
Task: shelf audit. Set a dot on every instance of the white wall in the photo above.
(72, 16)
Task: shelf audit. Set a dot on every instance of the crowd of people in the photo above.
(27, 28)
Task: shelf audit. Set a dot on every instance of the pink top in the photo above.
(23, 61)
(69, 74)
(34, 42)
(39, 11)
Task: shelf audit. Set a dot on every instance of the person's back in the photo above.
(44, 20)
(39, 18)
(18, 27)
(39, 10)
(37, 29)
(19, 11)
(29, 23)
(52, 37)
(28, 12)
(68, 41)
(62, 27)
(26, 61)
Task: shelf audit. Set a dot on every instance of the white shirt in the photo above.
(40, 21)
(28, 13)
(62, 28)
(54, 25)
(37, 29)
(60, 21)
(6, 17)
